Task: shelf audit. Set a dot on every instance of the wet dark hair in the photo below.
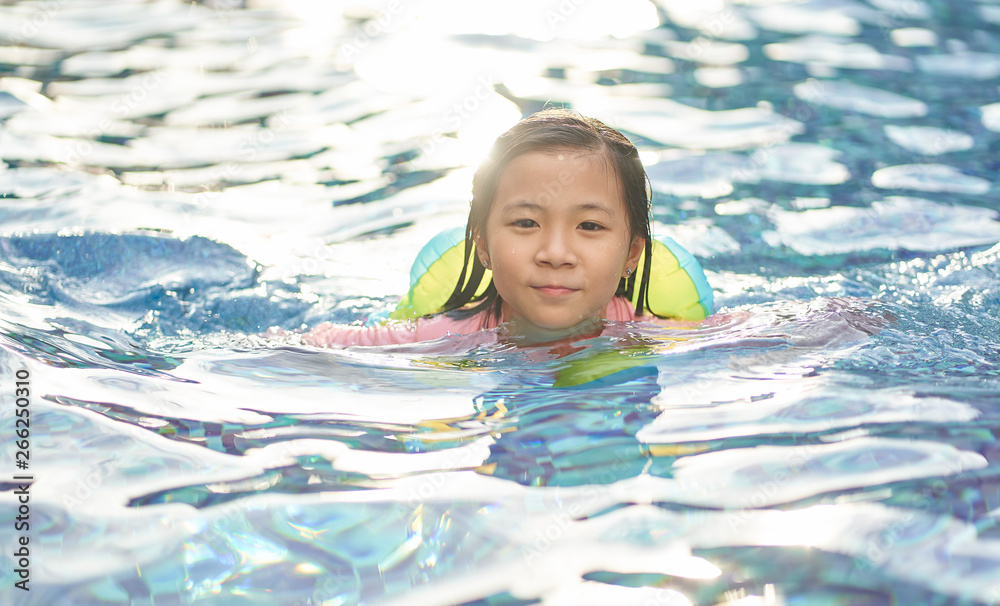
(547, 130)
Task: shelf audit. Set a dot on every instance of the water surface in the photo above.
(177, 177)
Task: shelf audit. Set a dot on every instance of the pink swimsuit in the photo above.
(428, 329)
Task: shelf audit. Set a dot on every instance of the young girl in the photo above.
(560, 216)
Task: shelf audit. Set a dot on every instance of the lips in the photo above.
(555, 290)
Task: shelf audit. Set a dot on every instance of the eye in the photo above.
(591, 226)
(525, 223)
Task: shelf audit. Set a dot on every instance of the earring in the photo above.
(628, 272)
(486, 263)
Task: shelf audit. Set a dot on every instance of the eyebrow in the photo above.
(584, 206)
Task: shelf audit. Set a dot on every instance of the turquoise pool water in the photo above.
(177, 177)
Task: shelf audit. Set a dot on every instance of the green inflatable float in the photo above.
(677, 289)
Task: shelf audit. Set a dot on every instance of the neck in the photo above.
(524, 333)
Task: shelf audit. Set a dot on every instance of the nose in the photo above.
(556, 249)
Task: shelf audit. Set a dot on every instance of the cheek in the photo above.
(505, 265)
(505, 252)
(613, 249)
(500, 257)
(611, 256)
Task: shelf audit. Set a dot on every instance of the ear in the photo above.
(634, 252)
(481, 253)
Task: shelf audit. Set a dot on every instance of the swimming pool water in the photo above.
(178, 177)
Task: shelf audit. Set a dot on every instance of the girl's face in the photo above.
(558, 241)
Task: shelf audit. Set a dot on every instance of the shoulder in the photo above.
(620, 309)
(446, 324)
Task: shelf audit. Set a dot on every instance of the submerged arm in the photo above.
(328, 334)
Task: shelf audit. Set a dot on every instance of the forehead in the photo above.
(560, 171)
